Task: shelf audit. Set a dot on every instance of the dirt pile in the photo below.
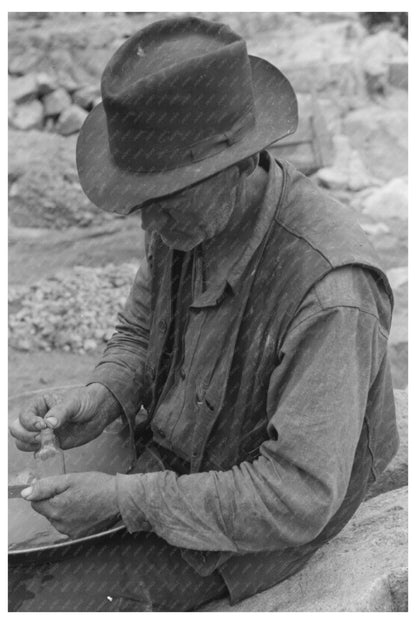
(44, 190)
(74, 311)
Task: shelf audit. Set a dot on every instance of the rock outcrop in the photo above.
(364, 568)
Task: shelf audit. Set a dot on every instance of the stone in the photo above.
(398, 277)
(376, 51)
(332, 178)
(379, 134)
(324, 61)
(73, 50)
(399, 72)
(389, 201)
(56, 102)
(90, 344)
(28, 116)
(348, 171)
(358, 176)
(399, 344)
(399, 328)
(25, 60)
(11, 112)
(71, 120)
(396, 474)
(364, 568)
(375, 229)
(46, 83)
(58, 201)
(23, 89)
(87, 97)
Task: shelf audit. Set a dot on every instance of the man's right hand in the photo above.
(77, 416)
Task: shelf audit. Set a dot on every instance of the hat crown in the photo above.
(176, 92)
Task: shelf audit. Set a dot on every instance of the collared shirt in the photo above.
(299, 481)
(173, 421)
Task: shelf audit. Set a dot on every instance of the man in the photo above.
(255, 335)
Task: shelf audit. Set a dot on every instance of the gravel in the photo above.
(72, 311)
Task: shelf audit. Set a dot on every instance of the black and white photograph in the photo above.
(207, 310)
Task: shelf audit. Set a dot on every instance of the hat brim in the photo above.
(116, 190)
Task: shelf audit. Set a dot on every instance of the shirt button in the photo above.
(163, 326)
(182, 372)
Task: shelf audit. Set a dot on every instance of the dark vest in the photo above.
(311, 235)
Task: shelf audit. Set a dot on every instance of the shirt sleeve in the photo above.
(317, 399)
(121, 366)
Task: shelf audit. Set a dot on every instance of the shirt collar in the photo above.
(273, 192)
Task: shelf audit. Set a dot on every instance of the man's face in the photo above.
(197, 213)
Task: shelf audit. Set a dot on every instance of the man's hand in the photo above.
(78, 417)
(76, 504)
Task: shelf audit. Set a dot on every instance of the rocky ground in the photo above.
(70, 264)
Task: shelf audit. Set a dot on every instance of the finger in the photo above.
(47, 488)
(25, 437)
(60, 526)
(22, 446)
(31, 418)
(46, 509)
(60, 413)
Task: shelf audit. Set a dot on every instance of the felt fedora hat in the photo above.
(181, 101)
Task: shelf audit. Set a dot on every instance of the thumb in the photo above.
(48, 487)
(60, 413)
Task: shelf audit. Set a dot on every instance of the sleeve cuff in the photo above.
(126, 391)
(130, 491)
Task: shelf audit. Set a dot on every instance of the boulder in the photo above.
(24, 60)
(398, 277)
(388, 202)
(399, 355)
(325, 59)
(364, 568)
(376, 52)
(375, 229)
(71, 120)
(399, 72)
(396, 474)
(379, 134)
(348, 171)
(399, 329)
(72, 50)
(332, 178)
(56, 102)
(23, 89)
(46, 83)
(44, 187)
(87, 97)
(27, 116)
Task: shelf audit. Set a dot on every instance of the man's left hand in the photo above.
(76, 504)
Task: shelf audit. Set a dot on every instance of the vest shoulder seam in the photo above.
(338, 307)
(302, 237)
